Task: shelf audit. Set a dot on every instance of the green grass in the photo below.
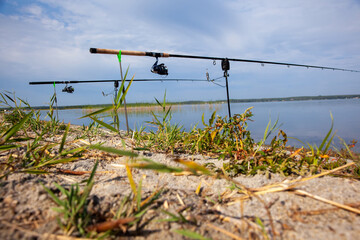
(24, 133)
(73, 208)
(225, 138)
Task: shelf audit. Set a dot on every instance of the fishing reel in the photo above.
(160, 69)
(68, 89)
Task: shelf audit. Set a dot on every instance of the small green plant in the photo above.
(134, 206)
(173, 217)
(7, 139)
(318, 156)
(74, 207)
(89, 131)
(16, 112)
(227, 138)
(261, 225)
(167, 136)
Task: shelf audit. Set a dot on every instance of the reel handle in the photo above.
(113, 51)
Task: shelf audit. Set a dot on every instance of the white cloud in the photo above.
(50, 39)
(34, 10)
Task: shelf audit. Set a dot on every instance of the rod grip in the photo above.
(113, 51)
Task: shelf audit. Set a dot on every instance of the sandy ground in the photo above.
(216, 212)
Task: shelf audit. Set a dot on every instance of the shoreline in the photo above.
(154, 105)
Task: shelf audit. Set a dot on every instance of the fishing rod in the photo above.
(70, 89)
(118, 80)
(165, 55)
(225, 63)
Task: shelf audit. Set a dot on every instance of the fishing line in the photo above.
(213, 80)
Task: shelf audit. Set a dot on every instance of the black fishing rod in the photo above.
(118, 80)
(225, 63)
(70, 89)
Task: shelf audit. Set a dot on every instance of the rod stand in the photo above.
(225, 65)
(116, 85)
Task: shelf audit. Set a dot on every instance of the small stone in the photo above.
(8, 200)
(42, 197)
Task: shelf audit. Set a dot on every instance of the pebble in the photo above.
(10, 202)
(42, 197)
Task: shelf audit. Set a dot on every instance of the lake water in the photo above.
(308, 121)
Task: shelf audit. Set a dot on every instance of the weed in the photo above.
(167, 136)
(133, 206)
(173, 217)
(15, 112)
(89, 132)
(228, 138)
(26, 143)
(74, 207)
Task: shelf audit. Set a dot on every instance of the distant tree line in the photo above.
(280, 99)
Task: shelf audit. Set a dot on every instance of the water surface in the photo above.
(308, 121)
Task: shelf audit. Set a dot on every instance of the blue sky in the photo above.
(46, 40)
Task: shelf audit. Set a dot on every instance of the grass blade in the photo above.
(116, 101)
(14, 129)
(97, 112)
(56, 161)
(151, 165)
(131, 180)
(328, 134)
(194, 167)
(10, 98)
(138, 195)
(8, 147)
(64, 138)
(93, 172)
(34, 171)
(190, 234)
(104, 124)
(62, 190)
(53, 196)
(126, 90)
(114, 150)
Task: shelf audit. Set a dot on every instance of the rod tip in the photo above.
(93, 50)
